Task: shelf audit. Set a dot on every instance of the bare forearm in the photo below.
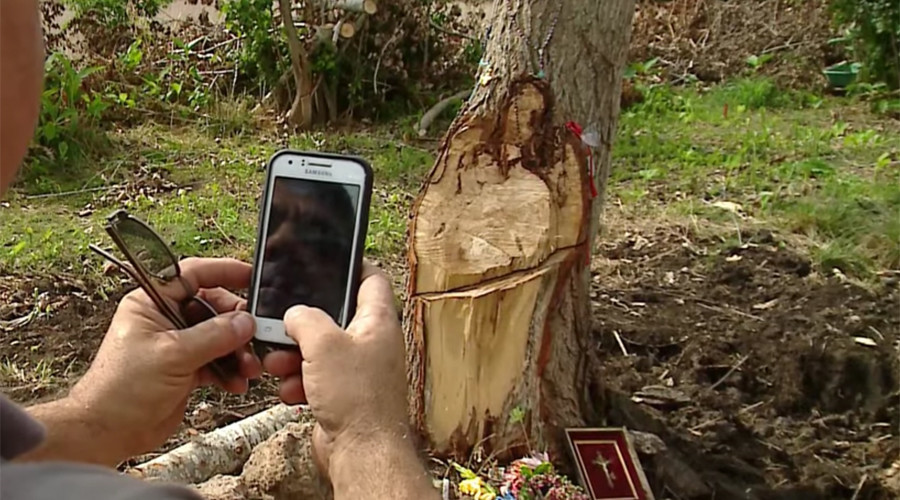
(385, 467)
(72, 435)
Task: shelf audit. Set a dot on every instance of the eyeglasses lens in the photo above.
(148, 249)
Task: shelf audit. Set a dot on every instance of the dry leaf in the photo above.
(733, 258)
(730, 206)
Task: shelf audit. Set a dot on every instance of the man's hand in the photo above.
(134, 395)
(354, 380)
(355, 383)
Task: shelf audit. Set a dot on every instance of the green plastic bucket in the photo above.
(841, 75)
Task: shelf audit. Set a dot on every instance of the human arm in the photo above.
(134, 394)
(355, 383)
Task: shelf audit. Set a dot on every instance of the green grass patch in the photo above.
(198, 188)
(823, 168)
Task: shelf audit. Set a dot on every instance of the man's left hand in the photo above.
(138, 386)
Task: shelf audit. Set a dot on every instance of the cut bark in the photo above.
(221, 451)
(498, 317)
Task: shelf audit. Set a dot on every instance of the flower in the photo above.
(476, 488)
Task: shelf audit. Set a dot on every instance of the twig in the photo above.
(70, 193)
(875, 330)
(862, 482)
(380, 57)
(751, 407)
(451, 32)
(729, 372)
(621, 344)
(723, 310)
(788, 45)
(227, 238)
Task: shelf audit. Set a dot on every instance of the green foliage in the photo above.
(517, 415)
(70, 113)
(757, 62)
(263, 55)
(873, 30)
(116, 13)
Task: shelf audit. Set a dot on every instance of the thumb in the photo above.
(215, 337)
(313, 329)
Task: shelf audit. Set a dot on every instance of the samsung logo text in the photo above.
(316, 171)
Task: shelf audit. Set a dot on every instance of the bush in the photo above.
(873, 28)
(116, 12)
(70, 112)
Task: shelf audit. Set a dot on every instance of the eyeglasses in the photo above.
(151, 261)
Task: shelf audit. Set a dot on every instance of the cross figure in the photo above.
(604, 463)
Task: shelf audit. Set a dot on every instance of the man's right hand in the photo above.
(353, 380)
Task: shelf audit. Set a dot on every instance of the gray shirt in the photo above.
(20, 433)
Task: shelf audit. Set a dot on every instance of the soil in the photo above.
(750, 355)
(67, 334)
(746, 353)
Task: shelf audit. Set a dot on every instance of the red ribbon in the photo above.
(578, 131)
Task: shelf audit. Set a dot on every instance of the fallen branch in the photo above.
(436, 110)
(221, 451)
(446, 31)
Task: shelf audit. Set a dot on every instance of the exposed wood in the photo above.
(436, 110)
(497, 317)
(281, 468)
(366, 6)
(301, 113)
(346, 28)
(221, 451)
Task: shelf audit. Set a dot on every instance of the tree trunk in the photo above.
(498, 312)
(301, 113)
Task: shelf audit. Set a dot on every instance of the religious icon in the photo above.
(608, 465)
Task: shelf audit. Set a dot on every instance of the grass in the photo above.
(198, 189)
(823, 169)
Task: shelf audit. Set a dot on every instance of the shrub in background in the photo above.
(873, 28)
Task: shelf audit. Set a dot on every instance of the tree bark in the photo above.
(301, 113)
(498, 312)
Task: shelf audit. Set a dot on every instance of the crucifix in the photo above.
(604, 463)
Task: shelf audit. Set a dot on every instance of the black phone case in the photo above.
(261, 346)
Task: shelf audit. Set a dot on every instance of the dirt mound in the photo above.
(752, 358)
(713, 39)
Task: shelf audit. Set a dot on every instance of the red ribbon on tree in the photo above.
(578, 131)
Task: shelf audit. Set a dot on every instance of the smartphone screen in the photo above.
(308, 247)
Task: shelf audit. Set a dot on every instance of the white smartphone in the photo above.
(312, 233)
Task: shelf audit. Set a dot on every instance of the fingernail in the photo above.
(294, 311)
(243, 325)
